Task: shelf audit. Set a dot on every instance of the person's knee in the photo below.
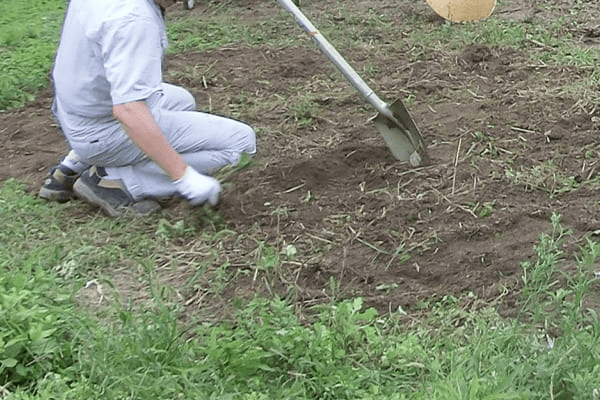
(249, 140)
(187, 101)
(178, 98)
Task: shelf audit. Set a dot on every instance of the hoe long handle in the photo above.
(337, 59)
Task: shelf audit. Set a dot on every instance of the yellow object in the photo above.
(463, 10)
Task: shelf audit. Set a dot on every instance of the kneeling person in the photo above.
(134, 138)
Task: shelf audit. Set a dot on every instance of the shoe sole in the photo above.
(60, 196)
(140, 208)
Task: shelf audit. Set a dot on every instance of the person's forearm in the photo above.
(139, 124)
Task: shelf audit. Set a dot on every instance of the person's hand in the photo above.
(197, 188)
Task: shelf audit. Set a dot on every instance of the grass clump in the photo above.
(37, 327)
(28, 40)
(34, 234)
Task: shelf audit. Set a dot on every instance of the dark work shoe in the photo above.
(58, 185)
(110, 195)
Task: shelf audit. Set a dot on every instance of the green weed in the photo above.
(540, 278)
(546, 177)
(482, 210)
(37, 327)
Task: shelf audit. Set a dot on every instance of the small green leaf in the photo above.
(22, 370)
(9, 362)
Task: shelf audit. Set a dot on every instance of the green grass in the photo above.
(217, 30)
(28, 41)
(495, 31)
(50, 348)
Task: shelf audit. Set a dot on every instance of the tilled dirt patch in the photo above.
(507, 146)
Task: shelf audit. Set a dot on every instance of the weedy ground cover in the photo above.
(87, 309)
(28, 41)
(52, 348)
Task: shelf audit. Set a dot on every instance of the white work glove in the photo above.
(197, 188)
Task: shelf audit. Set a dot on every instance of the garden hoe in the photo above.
(463, 10)
(393, 121)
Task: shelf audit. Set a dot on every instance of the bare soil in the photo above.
(325, 187)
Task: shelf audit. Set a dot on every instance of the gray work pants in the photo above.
(206, 142)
